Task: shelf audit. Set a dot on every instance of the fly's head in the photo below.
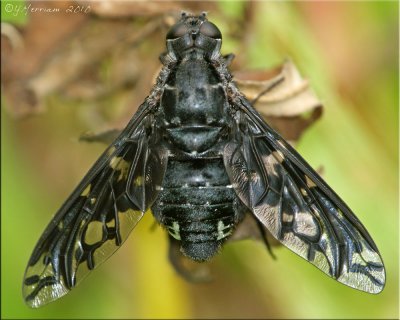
(194, 34)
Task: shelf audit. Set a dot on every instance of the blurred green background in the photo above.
(349, 52)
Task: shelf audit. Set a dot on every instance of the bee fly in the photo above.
(202, 159)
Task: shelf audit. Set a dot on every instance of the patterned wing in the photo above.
(298, 207)
(99, 215)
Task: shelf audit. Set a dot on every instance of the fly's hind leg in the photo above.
(251, 228)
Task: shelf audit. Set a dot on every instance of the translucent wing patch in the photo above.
(298, 207)
(97, 218)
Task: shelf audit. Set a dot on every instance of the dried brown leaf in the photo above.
(290, 105)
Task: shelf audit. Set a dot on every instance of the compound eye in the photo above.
(177, 30)
(209, 29)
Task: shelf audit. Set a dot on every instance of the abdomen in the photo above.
(198, 206)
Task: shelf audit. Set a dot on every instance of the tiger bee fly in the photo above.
(202, 159)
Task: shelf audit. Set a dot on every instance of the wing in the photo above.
(99, 215)
(297, 206)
